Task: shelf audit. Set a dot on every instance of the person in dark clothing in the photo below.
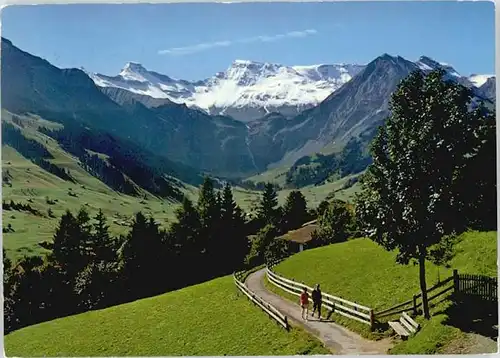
(316, 298)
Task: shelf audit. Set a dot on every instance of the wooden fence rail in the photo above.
(335, 304)
(483, 287)
(272, 311)
(412, 305)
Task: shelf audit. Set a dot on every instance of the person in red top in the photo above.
(304, 303)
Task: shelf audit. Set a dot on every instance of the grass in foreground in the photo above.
(362, 271)
(207, 319)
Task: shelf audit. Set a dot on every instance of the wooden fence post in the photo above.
(415, 305)
(372, 320)
(456, 280)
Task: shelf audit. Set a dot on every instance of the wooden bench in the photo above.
(405, 327)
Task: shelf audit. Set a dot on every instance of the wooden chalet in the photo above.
(301, 235)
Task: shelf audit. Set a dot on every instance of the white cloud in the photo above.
(178, 51)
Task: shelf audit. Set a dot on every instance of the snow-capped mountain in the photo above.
(479, 80)
(248, 90)
(243, 87)
(475, 80)
(136, 79)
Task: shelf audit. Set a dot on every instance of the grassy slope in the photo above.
(206, 319)
(32, 182)
(341, 269)
(316, 194)
(275, 175)
(313, 194)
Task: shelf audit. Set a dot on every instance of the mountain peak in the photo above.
(243, 62)
(255, 65)
(426, 63)
(387, 57)
(134, 66)
(426, 58)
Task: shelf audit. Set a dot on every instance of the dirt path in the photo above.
(335, 337)
(472, 344)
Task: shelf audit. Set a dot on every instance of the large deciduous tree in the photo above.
(335, 224)
(259, 245)
(415, 192)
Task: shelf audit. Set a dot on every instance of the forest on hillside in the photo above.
(86, 268)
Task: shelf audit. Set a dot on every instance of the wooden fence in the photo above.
(482, 287)
(335, 304)
(412, 305)
(272, 311)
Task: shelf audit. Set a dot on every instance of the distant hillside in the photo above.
(317, 169)
(40, 172)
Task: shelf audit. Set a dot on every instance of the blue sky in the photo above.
(193, 41)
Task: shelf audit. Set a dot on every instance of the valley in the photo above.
(145, 214)
(29, 183)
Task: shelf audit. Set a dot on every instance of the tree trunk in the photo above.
(423, 286)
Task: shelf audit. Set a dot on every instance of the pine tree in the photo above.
(208, 204)
(267, 211)
(294, 211)
(141, 256)
(85, 228)
(101, 243)
(131, 255)
(234, 244)
(228, 205)
(187, 229)
(184, 235)
(209, 209)
(241, 241)
(66, 246)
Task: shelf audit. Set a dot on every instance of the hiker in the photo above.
(316, 297)
(304, 303)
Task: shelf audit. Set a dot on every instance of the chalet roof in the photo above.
(303, 234)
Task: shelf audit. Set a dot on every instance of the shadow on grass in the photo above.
(473, 315)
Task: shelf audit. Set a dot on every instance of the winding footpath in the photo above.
(336, 338)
